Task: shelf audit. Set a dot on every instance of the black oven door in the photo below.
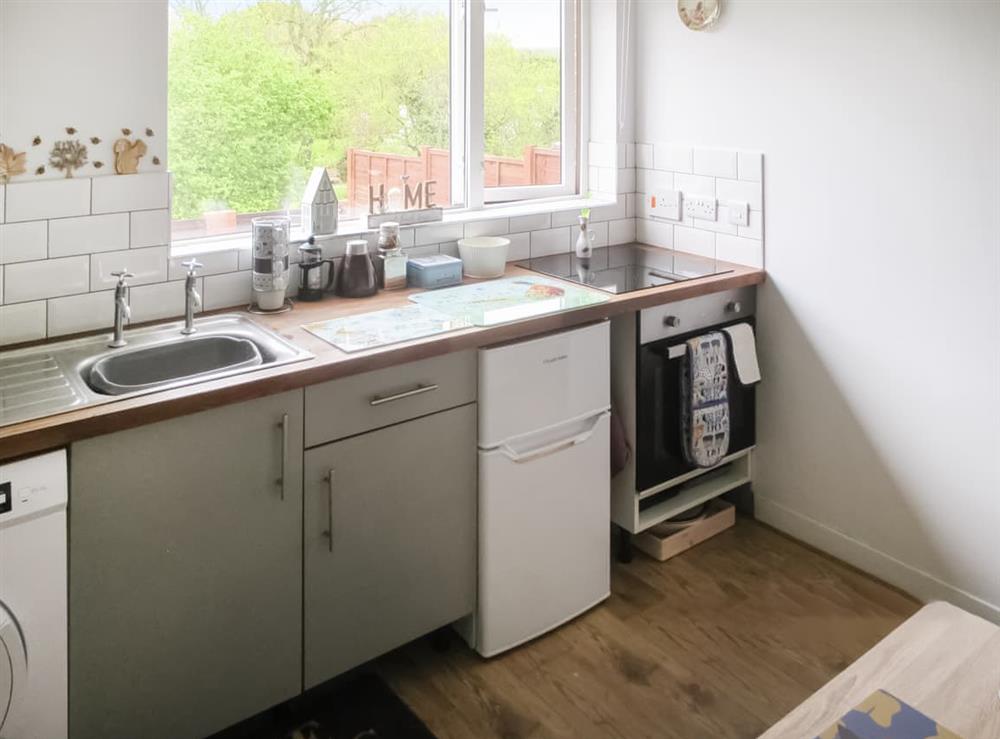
(659, 452)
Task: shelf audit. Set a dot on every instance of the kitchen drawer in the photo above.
(371, 400)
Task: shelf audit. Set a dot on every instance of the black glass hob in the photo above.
(626, 267)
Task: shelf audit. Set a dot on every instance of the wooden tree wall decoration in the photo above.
(68, 156)
(11, 163)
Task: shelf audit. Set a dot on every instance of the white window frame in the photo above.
(477, 195)
(467, 113)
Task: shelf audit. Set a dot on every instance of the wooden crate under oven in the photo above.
(719, 516)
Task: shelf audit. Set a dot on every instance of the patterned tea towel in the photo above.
(704, 400)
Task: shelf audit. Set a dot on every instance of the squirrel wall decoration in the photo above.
(127, 155)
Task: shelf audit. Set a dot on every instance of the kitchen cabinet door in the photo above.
(186, 572)
(400, 504)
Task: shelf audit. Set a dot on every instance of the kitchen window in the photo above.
(382, 94)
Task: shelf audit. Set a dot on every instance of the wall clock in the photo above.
(699, 14)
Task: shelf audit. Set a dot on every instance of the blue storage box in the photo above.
(438, 270)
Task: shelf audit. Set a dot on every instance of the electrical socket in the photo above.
(739, 212)
(700, 207)
(666, 204)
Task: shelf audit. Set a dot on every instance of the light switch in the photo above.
(739, 212)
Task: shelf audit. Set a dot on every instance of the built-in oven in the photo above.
(648, 363)
(659, 441)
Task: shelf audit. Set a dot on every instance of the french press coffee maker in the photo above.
(312, 286)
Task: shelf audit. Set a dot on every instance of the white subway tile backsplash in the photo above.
(600, 233)
(22, 322)
(113, 194)
(552, 241)
(88, 234)
(697, 185)
(438, 232)
(750, 192)
(722, 225)
(653, 181)
(606, 180)
(565, 218)
(630, 205)
(227, 290)
(742, 251)
(49, 278)
(602, 154)
(755, 226)
(150, 228)
(751, 166)
(520, 247)
(673, 158)
(78, 313)
(35, 201)
(715, 162)
(162, 300)
(626, 180)
(629, 155)
(491, 227)
(211, 264)
(23, 242)
(3, 203)
(535, 222)
(146, 265)
(421, 251)
(644, 156)
(654, 233)
(621, 232)
(450, 248)
(611, 212)
(694, 241)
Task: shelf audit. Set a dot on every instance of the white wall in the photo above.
(95, 65)
(880, 123)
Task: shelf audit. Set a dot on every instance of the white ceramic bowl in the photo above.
(483, 256)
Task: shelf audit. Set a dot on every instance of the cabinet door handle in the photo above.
(418, 390)
(283, 425)
(329, 507)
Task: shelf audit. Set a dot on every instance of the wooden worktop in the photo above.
(329, 362)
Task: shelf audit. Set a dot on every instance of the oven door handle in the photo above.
(676, 351)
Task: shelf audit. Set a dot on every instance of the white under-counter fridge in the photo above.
(544, 485)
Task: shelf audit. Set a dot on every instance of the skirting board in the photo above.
(918, 583)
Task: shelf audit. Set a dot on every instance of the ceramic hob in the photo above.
(626, 267)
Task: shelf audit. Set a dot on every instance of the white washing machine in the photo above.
(33, 619)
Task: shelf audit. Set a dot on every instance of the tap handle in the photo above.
(122, 275)
(192, 265)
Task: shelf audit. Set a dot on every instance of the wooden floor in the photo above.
(720, 642)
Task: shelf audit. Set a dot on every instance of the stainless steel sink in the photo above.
(148, 367)
(59, 377)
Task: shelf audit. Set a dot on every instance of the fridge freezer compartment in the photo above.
(538, 383)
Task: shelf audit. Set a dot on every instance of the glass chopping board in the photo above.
(511, 299)
(379, 328)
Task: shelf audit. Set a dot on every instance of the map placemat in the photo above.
(511, 299)
(383, 327)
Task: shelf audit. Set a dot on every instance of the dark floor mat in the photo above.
(363, 707)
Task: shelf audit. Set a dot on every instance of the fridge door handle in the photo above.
(555, 446)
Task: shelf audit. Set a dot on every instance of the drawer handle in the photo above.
(418, 390)
(328, 479)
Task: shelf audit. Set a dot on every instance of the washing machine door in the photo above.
(13, 664)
